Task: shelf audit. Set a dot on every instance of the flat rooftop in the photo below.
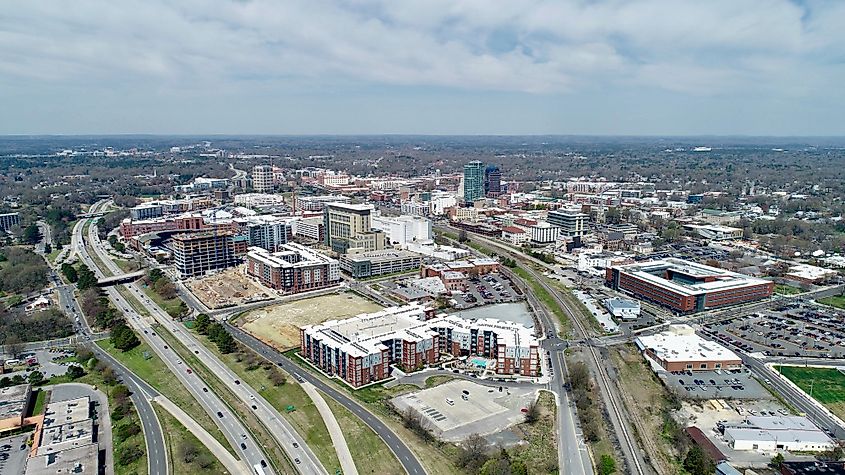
(13, 401)
(717, 279)
(80, 460)
(680, 343)
(66, 436)
(67, 412)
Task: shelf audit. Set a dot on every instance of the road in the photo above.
(46, 237)
(403, 453)
(140, 392)
(634, 458)
(231, 426)
(293, 444)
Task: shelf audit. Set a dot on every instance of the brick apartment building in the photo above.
(292, 269)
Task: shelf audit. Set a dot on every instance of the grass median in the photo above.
(142, 361)
(186, 454)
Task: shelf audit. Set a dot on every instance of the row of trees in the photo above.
(16, 327)
(216, 332)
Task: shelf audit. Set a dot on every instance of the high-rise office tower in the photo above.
(473, 181)
(492, 180)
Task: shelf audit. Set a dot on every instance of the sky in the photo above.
(604, 67)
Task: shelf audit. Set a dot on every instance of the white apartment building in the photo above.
(259, 200)
(543, 233)
(262, 178)
(401, 230)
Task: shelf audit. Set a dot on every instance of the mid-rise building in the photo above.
(349, 226)
(686, 286)
(543, 233)
(317, 203)
(310, 228)
(492, 180)
(473, 181)
(374, 263)
(360, 350)
(259, 200)
(680, 349)
(268, 232)
(292, 269)
(146, 211)
(401, 230)
(195, 254)
(262, 178)
(571, 222)
(9, 220)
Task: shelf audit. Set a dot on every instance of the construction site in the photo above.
(228, 288)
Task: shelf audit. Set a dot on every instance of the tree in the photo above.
(36, 377)
(462, 236)
(75, 371)
(777, 460)
(472, 453)
(698, 463)
(532, 412)
(70, 273)
(14, 345)
(201, 323)
(188, 451)
(607, 465)
(154, 275)
(226, 343)
(123, 337)
(87, 278)
(31, 234)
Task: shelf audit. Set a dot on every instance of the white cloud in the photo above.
(712, 47)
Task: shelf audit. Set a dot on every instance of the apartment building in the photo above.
(292, 269)
(268, 232)
(195, 254)
(9, 220)
(262, 178)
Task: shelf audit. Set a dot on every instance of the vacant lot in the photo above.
(827, 384)
(279, 325)
(227, 288)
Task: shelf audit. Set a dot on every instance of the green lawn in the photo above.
(540, 453)
(176, 436)
(171, 306)
(837, 301)
(370, 453)
(546, 298)
(156, 373)
(305, 419)
(40, 398)
(787, 290)
(828, 384)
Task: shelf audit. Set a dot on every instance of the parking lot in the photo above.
(13, 451)
(719, 384)
(487, 289)
(459, 408)
(46, 363)
(794, 331)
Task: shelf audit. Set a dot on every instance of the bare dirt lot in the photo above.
(279, 325)
(228, 288)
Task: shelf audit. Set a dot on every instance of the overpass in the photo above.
(120, 279)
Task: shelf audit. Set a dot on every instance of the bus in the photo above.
(258, 469)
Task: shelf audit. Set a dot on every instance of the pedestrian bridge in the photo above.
(120, 279)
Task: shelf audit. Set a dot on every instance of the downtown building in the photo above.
(349, 227)
(268, 232)
(572, 223)
(292, 269)
(195, 254)
(473, 181)
(262, 178)
(492, 181)
(361, 350)
(686, 286)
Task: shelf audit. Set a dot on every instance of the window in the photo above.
(718, 365)
(703, 366)
(689, 366)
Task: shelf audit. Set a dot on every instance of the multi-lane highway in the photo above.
(231, 426)
(294, 445)
(404, 454)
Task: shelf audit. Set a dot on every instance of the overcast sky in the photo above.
(656, 67)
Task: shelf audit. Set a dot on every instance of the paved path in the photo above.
(336, 433)
(233, 465)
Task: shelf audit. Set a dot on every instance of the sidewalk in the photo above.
(339, 442)
(233, 465)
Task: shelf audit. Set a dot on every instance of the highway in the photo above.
(235, 432)
(403, 453)
(294, 445)
(141, 393)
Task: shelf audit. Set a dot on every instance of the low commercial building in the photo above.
(67, 443)
(807, 274)
(716, 232)
(78, 461)
(623, 309)
(317, 203)
(686, 286)
(14, 402)
(292, 269)
(792, 433)
(514, 235)
(680, 349)
(374, 263)
(470, 267)
(360, 350)
(259, 200)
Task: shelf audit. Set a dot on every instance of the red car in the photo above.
(189, 371)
